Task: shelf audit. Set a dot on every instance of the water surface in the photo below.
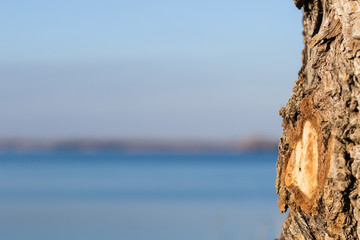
(93, 196)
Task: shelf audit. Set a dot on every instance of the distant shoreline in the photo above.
(138, 146)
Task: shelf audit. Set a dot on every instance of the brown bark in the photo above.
(318, 169)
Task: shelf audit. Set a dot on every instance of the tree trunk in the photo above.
(318, 169)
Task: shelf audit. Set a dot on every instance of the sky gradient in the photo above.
(147, 69)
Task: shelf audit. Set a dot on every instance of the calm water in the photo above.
(105, 196)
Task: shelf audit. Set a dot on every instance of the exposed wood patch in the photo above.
(306, 170)
(302, 167)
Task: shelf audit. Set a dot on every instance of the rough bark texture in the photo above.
(318, 168)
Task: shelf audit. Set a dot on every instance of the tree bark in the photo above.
(318, 169)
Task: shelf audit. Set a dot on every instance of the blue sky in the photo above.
(147, 69)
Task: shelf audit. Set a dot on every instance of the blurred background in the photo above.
(143, 119)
